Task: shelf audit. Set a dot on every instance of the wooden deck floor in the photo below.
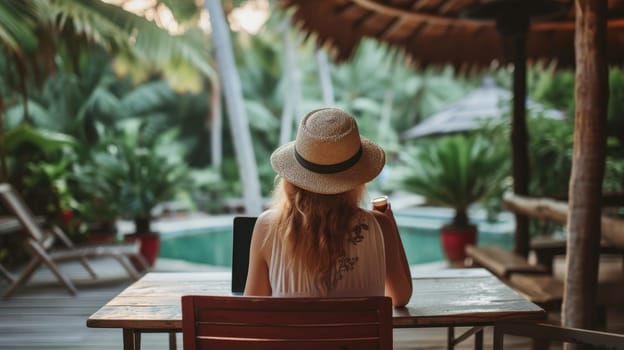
(43, 315)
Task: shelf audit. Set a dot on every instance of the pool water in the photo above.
(419, 233)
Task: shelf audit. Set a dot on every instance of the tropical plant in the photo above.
(39, 160)
(550, 152)
(96, 189)
(146, 168)
(454, 171)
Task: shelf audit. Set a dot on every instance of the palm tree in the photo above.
(35, 33)
(235, 105)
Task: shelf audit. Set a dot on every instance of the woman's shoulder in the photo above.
(375, 214)
(264, 222)
(266, 216)
(382, 220)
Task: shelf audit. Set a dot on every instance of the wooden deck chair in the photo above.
(39, 243)
(235, 322)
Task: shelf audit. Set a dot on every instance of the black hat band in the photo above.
(328, 168)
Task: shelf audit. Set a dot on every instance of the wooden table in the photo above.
(442, 298)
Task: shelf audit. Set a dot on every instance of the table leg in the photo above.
(172, 341)
(479, 340)
(137, 339)
(450, 338)
(498, 338)
(128, 339)
(131, 339)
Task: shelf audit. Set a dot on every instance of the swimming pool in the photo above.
(419, 230)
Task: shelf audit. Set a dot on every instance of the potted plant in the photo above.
(455, 171)
(149, 169)
(95, 185)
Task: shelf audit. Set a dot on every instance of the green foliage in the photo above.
(96, 187)
(454, 171)
(550, 156)
(17, 25)
(39, 165)
(147, 170)
(72, 103)
(43, 140)
(554, 89)
(615, 115)
(379, 81)
(208, 189)
(182, 10)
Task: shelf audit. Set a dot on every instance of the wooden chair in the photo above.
(232, 322)
(548, 332)
(40, 242)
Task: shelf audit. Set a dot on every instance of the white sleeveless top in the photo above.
(361, 272)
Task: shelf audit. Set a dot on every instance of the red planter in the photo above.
(454, 240)
(149, 245)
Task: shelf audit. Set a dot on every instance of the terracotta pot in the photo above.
(454, 240)
(149, 246)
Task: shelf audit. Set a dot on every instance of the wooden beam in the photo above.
(558, 211)
(569, 25)
(415, 16)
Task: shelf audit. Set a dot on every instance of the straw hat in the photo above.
(328, 156)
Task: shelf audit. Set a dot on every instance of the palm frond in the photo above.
(95, 21)
(18, 25)
(454, 171)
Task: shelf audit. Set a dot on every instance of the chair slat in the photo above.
(286, 331)
(287, 317)
(303, 344)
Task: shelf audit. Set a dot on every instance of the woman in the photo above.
(316, 240)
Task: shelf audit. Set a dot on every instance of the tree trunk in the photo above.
(291, 86)
(384, 122)
(588, 163)
(216, 124)
(3, 164)
(327, 89)
(239, 127)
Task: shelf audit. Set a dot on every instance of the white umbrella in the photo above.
(487, 103)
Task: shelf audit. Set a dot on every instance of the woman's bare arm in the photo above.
(398, 275)
(258, 283)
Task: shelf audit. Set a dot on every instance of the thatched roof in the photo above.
(435, 32)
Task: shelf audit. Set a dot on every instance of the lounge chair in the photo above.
(234, 322)
(40, 244)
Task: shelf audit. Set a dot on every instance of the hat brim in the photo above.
(366, 169)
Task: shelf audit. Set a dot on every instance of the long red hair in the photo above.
(315, 227)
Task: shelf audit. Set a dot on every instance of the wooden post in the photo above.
(513, 24)
(519, 143)
(587, 166)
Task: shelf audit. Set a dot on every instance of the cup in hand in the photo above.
(380, 203)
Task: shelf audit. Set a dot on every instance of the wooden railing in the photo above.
(602, 340)
(555, 210)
